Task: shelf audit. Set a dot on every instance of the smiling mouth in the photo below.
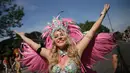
(61, 41)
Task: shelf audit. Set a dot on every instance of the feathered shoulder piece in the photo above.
(33, 60)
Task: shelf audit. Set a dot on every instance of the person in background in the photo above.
(5, 63)
(17, 61)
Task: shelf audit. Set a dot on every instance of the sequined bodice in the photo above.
(71, 67)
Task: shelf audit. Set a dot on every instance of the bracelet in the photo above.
(102, 13)
(39, 49)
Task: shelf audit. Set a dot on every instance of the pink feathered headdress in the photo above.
(66, 24)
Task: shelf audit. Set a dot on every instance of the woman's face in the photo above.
(60, 38)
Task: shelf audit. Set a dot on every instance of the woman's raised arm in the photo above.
(99, 21)
(85, 41)
(44, 52)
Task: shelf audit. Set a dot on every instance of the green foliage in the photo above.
(6, 47)
(10, 16)
(87, 26)
(35, 36)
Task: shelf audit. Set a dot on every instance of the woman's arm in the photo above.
(44, 52)
(85, 41)
(99, 21)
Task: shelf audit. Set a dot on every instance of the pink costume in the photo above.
(100, 45)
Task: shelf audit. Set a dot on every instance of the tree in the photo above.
(35, 36)
(6, 47)
(10, 16)
(88, 24)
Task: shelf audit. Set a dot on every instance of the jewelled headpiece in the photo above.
(66, 24)
(57, 24)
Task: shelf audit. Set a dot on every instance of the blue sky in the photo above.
(39, 12)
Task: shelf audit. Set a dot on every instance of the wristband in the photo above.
(39, 50)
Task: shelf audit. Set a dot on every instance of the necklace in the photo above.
(62, 53)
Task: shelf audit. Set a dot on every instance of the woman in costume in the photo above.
(66, 49)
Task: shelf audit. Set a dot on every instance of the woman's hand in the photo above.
(106, 8)
(19, 33)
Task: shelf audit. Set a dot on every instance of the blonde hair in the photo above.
(71, 50)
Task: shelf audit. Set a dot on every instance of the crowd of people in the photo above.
(11, 64)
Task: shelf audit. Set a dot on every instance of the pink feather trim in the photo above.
(99, 46)
(32, 60)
